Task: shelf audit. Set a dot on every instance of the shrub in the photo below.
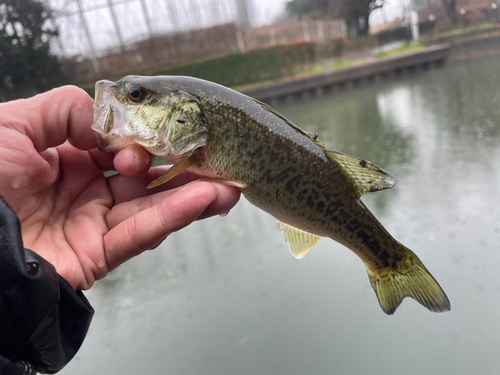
(252, 66)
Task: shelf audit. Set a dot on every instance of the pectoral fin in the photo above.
(300, 242)
(177, 168)
(237, 184)
(366, 176)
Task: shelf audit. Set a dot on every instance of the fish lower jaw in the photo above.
(112, 143)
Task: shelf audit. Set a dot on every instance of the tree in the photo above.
(315, 9)
(357, 12)
(25, 57)
(450, 7)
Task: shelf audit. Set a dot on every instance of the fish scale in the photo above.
(312, 191)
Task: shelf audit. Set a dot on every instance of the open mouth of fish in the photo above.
(110, 118)
(118, 125)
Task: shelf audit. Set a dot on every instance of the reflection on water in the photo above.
(225, 296)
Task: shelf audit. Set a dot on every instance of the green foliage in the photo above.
(450, 7)
(25, 58)
(394, 34)
(242, 68)
(334, 47)
(449, 30)
(355, 10)
(342, 63)
(351, 10)
(311, 8)
(401, 49)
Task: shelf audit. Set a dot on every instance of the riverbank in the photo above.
(374, 68)
(371, 69)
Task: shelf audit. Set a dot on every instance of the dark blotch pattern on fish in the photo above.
(290, 175)
(328, 200)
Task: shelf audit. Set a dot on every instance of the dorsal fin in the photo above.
(366, 176)
(299, 241)
(312, 137)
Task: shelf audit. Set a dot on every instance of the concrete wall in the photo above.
(346, 77)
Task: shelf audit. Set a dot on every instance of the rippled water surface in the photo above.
(226, 297)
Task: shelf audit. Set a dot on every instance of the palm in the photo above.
(62, 201)
(86, 224)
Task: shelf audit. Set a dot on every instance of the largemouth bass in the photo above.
(312, 191)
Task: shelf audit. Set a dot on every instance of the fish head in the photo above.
(164, 120)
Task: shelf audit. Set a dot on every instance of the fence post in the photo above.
(239, 36)
(321, 35)
(272, 37)
(138, 57)
(343, 27)
(89, 39)
(115, 23)
(146, 18)
(305, 27)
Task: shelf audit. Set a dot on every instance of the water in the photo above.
(225, 296)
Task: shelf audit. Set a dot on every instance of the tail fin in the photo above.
(407, 278)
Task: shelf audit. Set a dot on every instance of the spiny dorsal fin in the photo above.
(300, 242)
(312, 137)
(366, 176)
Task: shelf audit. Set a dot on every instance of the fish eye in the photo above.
(136, 94)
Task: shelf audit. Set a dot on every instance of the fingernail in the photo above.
(141, 159)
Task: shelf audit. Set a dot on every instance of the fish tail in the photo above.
(408, 277)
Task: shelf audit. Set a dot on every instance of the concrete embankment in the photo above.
(374, 69)
(470, 49)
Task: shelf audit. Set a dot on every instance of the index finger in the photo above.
(51, 118)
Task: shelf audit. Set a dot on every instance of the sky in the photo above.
(268, 10)
(165, 17)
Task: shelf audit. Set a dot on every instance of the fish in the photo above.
(312, 191)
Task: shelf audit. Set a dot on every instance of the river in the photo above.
(225, 296)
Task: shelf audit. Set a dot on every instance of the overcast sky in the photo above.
(165, 16)
(268, 10)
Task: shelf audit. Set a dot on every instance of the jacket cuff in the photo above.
(43, 321)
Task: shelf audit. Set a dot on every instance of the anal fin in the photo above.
(299, 241)
(176, 169)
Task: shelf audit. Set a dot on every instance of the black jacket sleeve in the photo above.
(43, 321)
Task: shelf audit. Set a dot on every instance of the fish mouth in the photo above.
(110, 117)
(114, 132)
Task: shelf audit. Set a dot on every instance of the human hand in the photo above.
(51, 175)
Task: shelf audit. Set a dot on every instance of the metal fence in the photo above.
(168, 50)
